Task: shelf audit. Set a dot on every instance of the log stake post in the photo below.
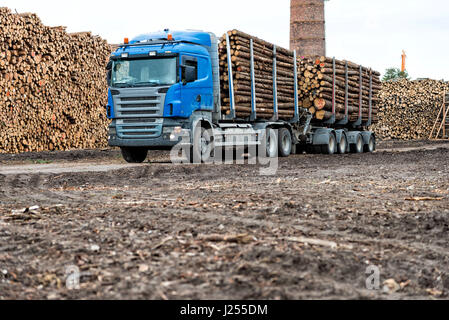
(358, 123)
(275, 87)
(231, 79)
(370, 112)
(332, 119)
(346, 118)
(295, 72)
(253, 83)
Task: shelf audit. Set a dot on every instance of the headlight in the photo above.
(167, 130)
(177, 130)
(174, 130)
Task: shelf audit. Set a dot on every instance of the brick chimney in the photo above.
(307, 27)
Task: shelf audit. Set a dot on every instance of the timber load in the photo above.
(333, 91)
(264, 74)
(53, 86)
(341, 89)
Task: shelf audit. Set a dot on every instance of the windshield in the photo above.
(144, 72)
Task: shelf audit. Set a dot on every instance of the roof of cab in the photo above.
(182, 41)
(174, 48)
(197, 37)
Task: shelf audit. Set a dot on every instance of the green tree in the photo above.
(395, 74)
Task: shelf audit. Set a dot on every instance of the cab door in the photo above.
(197, 85)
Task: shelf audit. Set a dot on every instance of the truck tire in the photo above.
(371, 146)
(269, 147)
(285, 143)
(202, 148)
(331, 146)
(358, 146)
(342, 146)
(134, 155)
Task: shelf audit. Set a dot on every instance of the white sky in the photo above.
(369, 32)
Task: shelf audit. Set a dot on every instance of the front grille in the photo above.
(147, 105)
(139, 121)
(134, 134)
(141, 128)
(141, 107)
(138, 98)
(139, 113)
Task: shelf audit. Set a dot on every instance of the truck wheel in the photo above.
(358, 146)
(371, 146)
(343, 145)
(134, 155)
(270, 144)
(202, 148)
(285, 143)
(331, 146)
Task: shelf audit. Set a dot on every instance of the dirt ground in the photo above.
(164, 231)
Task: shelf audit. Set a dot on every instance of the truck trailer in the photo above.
(165, 86)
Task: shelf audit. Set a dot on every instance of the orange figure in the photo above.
(404, 56)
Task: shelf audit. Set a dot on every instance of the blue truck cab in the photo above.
(159, 83)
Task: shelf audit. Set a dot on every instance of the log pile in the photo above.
(316, 86)
(315, 82)
(408, 109)
(263, 65)
(53, 86)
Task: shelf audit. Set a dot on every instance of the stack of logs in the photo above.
(316, 86)
(263, 67)
(53, 86)
(315, 82)
(408, 109)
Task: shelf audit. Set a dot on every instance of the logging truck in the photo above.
(166, 85)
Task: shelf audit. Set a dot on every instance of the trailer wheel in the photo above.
(285, 143)
(358, 146)
(134, 155)
(343, 145)
(371, 146)
(331, 146)
(270, 144)
(202, 148)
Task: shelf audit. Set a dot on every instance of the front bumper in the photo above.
(155, 143)
(166, 140)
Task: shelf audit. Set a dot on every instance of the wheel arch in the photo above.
(321, 136)
(200, 122)
(340, 133)
(367, 136)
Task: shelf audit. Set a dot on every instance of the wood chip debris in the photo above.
(239, 238)
(434, 292)
(424, 199)
(391, 286)
(321, 243)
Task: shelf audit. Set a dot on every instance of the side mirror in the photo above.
(108, 77)
(109, 72)
(189, 74)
